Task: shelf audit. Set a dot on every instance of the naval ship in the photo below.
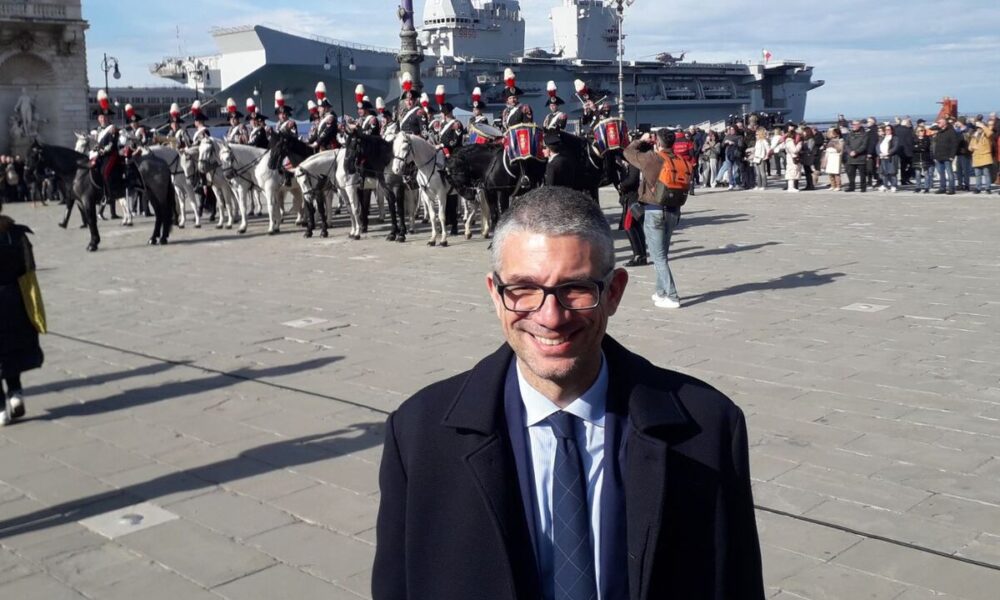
(468, 44)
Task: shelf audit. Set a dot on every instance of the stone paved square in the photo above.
(241, 383)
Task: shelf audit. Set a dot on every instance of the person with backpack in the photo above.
(666, 179)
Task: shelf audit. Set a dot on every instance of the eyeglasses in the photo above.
(572, 295)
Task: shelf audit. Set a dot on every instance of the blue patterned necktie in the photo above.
(573, 557)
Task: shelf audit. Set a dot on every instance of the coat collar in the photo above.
(635, 388)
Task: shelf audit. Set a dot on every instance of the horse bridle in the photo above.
(205, 165)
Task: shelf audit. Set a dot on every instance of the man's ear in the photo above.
(616, 290)
(495, 295)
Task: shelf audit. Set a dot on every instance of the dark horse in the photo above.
(593, 170)
(371, 156)
(481, 168)
(88, 190)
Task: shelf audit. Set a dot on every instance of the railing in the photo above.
(34, 10)
(316, 38)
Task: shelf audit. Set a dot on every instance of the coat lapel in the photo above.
(652, 416)
(479, 410)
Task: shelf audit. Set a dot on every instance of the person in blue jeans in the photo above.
(945, 147)
(647, 154)
(659, 227)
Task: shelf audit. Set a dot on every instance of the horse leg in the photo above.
(269, 199)
(353, 205)
(310, 217)
(163, 211)
(320, 198)
(380, 200)
(442, 216)
(241, 201)
(425, 201)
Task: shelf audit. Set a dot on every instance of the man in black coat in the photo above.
(945, 147)
(856, 156)
(563, 461)
(905, 138)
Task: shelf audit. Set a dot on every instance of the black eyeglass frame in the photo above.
(551, 290)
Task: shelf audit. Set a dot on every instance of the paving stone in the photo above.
(205, 557)
(926, 570)
(338, 509)
(231, 514)
(835, 582)
(316, 550)
(38, 586)
(281, 581)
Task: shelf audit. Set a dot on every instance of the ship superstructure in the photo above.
(468, 44)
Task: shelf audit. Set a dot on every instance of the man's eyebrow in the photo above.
(516, 278)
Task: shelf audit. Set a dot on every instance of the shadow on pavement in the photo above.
(792, 280)
(165, 391)
(59, 386)
(252, 462)
(716, 251)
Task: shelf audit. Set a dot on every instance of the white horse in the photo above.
(182, 172)
(328, 170)
(249, 168)
(431, 179)
(209, 165)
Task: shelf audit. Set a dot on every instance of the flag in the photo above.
(767, 55)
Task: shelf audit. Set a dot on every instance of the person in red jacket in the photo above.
(684, 148)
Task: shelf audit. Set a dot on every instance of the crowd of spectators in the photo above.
(959, 154)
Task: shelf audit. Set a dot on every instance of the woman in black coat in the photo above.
(19, 349)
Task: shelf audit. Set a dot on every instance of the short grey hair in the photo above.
(556, 211)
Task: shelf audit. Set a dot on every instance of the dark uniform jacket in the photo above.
(452, 135)
(455, 520)
(326, 132)
(555, 121)
(414, 121)
(515, 115)
(258, 137)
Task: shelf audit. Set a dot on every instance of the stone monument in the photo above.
(43, 73)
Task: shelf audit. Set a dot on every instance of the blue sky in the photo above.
(893, 57)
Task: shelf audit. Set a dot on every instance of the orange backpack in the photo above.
(674, 181)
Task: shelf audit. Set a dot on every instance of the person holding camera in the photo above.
(648, 154)
(981, 149)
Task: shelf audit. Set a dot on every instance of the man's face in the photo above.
(102, 120)
(553, 108)
(555, 344)
(856, 126)
(511, 100)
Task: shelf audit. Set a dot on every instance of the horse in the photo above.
(249, 169)
(431, 179)
(485, 172)
(154, 174)
(371, 156)
(323, 172)
(209, 167)
(593, 170)
(183, 172)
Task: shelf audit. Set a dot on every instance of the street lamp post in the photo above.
(621, 5)
(339, 52)
(110, 63)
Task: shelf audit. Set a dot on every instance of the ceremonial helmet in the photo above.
(231, 111)
(406, 84)
(364, 103)
(252, 112)
(553, 97)
(103, 105)
(196, 113)
(321, 99)
(313, 112)
(477, 99)
(510, 84)
(175, 114)
(130, 115)
(425, 103)
(279, 105)
(581, 89)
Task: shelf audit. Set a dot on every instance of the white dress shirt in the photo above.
(590, 408)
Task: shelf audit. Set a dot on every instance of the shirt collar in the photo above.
(590, 406)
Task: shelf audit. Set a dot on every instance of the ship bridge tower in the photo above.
(585, 29)
(463, 28)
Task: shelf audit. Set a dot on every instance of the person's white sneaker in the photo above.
(667, 302)
(893, 190)
(16, 405)
(656, 297)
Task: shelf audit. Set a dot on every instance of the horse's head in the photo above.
(402, 150)
(208, 156)
(354, 154)
(278, 147)
(82, 142)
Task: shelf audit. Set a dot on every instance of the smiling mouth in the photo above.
(550, 341)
